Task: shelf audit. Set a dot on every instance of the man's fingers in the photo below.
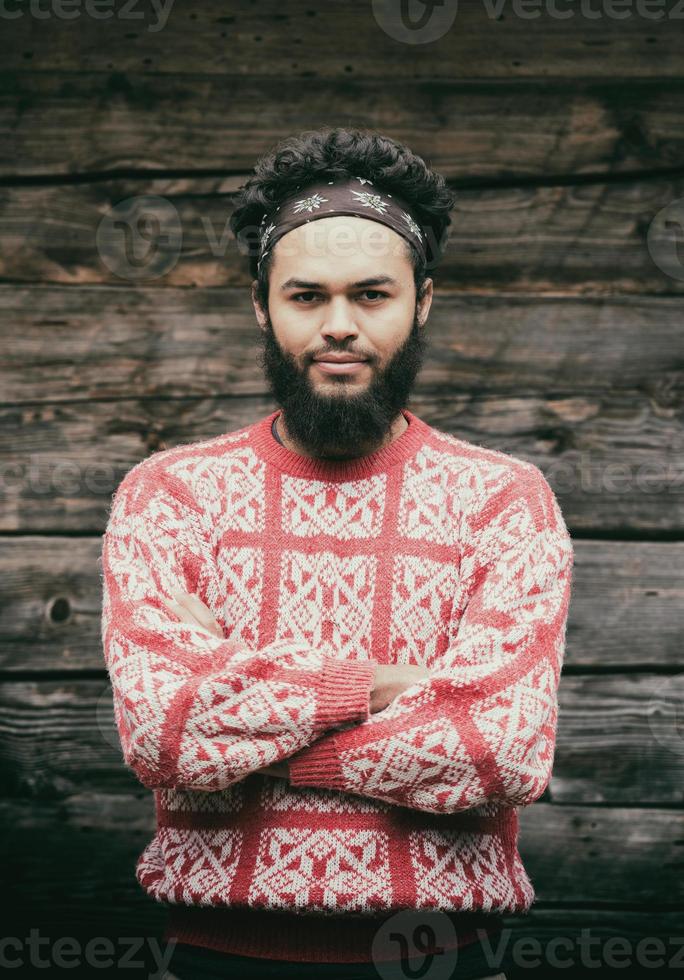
(204, 615)
(183, 613)
(197, 611)
(175, 608)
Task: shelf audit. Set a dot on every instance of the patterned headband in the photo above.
(326, 198)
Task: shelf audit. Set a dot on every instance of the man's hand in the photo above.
(190, 608)
(391, 680)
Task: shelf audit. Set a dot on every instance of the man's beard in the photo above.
(342, 423)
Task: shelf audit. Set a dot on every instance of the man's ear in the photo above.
(425, 301)
(258, 308)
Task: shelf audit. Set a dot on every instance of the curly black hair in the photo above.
(337, 153)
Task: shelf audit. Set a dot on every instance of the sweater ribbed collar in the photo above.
(406, 445)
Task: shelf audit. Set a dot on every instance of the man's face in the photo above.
(337, 285)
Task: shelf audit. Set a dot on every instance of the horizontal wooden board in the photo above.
(617, 740)
(548, 941)
(582, 240)
(475, 130)
(573, 854)
(351, 39)
(616, 462)
(61, 343)
(626, 607)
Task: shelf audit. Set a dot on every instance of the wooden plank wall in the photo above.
(555, 336)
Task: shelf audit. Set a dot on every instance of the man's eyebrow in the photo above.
(372, 281)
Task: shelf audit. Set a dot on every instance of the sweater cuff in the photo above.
(344, 691)
(317, 765)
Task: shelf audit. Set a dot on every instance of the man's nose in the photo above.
(340, 321)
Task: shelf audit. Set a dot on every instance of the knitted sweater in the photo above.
(431, 550)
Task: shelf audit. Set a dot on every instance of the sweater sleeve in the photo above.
(194, 711)
(482, 727)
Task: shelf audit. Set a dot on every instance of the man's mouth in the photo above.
(342, 362)
(338, 366)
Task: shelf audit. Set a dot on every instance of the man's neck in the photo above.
(399, 425)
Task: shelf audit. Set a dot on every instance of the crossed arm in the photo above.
(388, 681)
(198, 711)
(481, 724)
(194, 710)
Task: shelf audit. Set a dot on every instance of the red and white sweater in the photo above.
(432, 551)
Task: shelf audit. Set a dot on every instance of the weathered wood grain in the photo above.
(626, 605)
(548, 941)
(625, 611)
(615, 461)
(555, 338)
(477, 130)
(346, 40)
(573, 854)
(580, 240)
(617, 740)
(60, 343)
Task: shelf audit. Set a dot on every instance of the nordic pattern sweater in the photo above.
(431, 550)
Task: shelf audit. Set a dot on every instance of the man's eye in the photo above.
(378, 294)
